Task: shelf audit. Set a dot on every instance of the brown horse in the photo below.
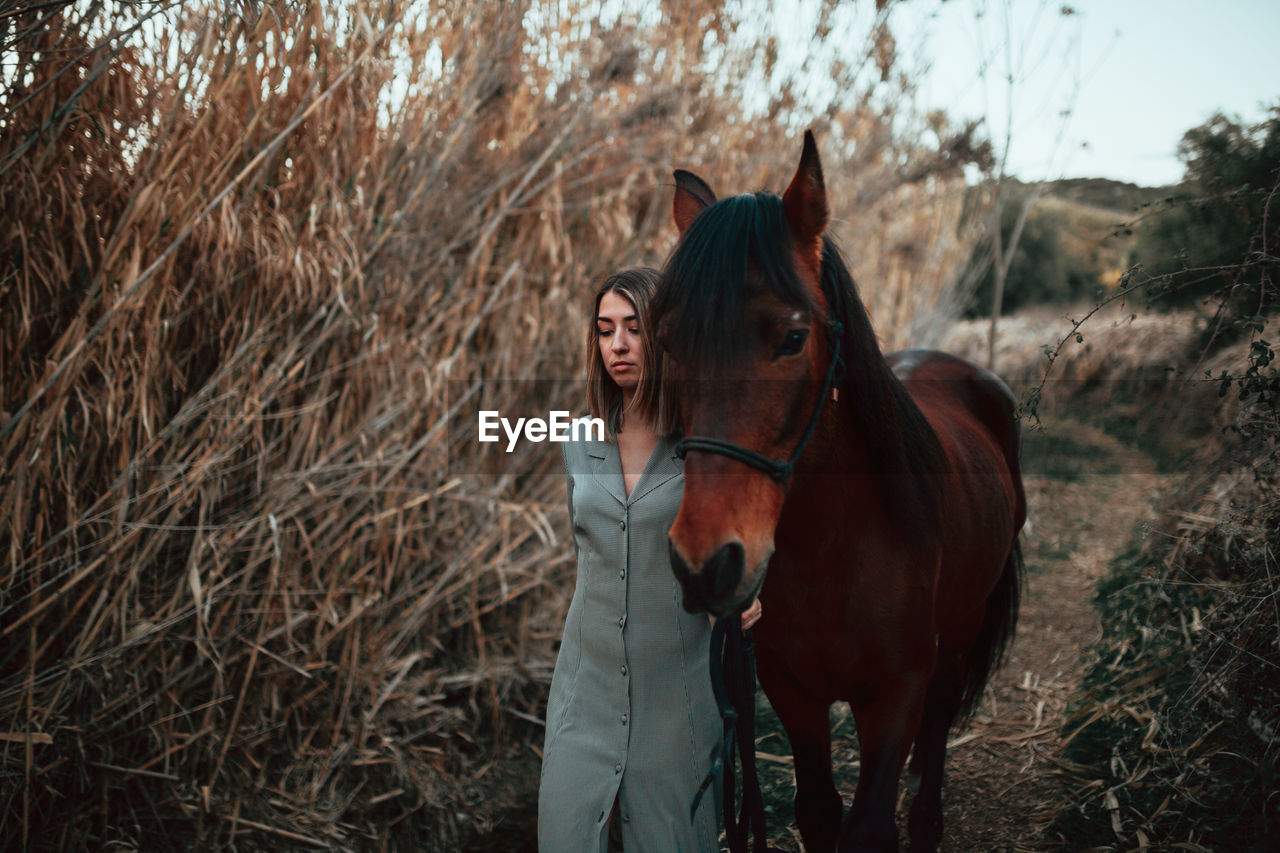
(873, 502)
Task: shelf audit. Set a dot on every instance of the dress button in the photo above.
(617, 768)
(623, 524)
(623, 574)
(624, 669)
(624, 719)
(621, 619)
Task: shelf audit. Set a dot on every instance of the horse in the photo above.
(872, 501)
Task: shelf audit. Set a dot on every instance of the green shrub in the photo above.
(1055, 261)
(1215, 241)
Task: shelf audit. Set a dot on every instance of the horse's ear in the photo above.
(805, 201)
(692, 197)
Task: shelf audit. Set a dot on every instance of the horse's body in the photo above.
(890, 544)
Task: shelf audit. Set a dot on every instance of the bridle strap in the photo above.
(778, 469)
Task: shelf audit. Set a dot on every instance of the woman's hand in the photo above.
(751, 615)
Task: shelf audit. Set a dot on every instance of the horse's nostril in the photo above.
(714, 581)
(678, 566)
(724, 569)
(691, 595)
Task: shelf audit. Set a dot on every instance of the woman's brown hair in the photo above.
(653, 401)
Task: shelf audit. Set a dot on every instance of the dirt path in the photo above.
(1087, 493)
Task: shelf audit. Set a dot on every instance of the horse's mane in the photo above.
(702, 282)
(701, 304)
(902, 448)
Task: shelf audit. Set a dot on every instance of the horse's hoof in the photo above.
(869, 844)
(925, 839)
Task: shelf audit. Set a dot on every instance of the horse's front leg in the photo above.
(817, 803)
(887, 723)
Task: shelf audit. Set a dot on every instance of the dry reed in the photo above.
(258, 262)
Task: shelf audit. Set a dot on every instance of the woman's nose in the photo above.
(620, 342)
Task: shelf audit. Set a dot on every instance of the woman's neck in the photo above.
(629, 417)
(634, 425)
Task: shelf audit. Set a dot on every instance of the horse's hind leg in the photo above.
(966, 657)
(887, 722)
(941, 705)
(818, 806)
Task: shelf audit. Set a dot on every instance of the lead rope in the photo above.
(733, 681)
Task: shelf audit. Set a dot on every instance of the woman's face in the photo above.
(621, 348)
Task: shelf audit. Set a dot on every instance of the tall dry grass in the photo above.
(256, 263)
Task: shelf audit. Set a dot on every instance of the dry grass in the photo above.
(1173, 740)
(257, 262)
(1129, 368)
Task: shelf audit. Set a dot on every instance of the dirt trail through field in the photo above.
(1001, 784)
(1087, 495)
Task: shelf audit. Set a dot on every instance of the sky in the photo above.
(1134, 75)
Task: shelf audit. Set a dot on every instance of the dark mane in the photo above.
(702, 294)
(904, 452)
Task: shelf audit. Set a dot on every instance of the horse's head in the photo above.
(742, 314)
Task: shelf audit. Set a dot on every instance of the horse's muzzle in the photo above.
(711, 589)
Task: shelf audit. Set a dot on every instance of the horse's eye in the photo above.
(669, 343)
(792, 343)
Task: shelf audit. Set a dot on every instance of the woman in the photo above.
(631, 721)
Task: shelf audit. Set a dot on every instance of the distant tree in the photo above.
(1042, 268)
(1012, 47)
(1219, 242)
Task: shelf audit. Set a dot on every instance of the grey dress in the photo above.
(631, 714)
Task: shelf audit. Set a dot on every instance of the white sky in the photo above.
(1147, 71)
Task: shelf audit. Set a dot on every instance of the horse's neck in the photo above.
(875, 404)
(836, 469)
(861, 466)
(872, 419)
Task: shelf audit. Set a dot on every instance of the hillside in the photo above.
(1078, 241)
(1119, 196)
